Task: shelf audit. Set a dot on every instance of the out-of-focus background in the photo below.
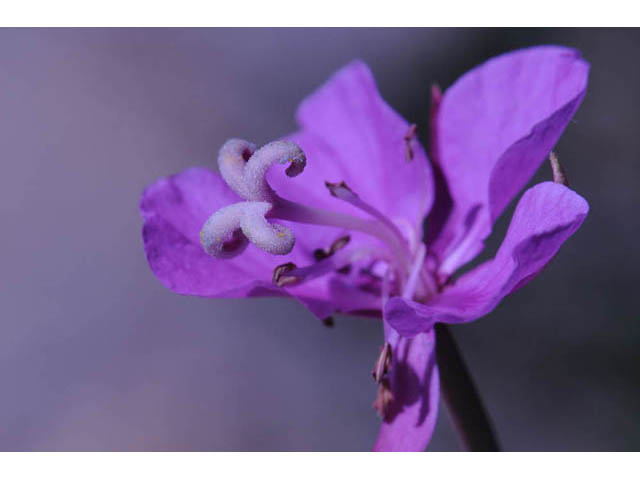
(95, 354)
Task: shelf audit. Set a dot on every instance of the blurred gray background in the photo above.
(95, 354)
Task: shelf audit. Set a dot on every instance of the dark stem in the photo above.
(465, 407)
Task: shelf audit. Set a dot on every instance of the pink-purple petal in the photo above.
(174, 210)
(546, 216)
(350, 134)
(415, 385)
(494, 127)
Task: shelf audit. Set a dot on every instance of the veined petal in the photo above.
(350, 134)
(415, 386)
(546, 216)
(174, 210)
(493, 129)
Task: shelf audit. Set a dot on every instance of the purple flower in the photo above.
(341, 229)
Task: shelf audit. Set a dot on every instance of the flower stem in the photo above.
(465, 407)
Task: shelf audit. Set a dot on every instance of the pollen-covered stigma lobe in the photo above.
(229, 230)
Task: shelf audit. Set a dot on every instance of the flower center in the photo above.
(229, 230)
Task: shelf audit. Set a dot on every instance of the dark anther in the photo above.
(320, 254)
(383, 398)
(328, 322)
(339, 190)
(344, 270)
(338, 244)
(383, 363)
(380, 372)
(280, 277)
(559, 175)
(246, 154)
(408, 137)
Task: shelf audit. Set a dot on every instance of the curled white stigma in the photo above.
(229, 230)
(244, 168)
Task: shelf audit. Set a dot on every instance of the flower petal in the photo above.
(350, 134)
(415, 385)
(546, 216)
(174, 210)
(494, 128)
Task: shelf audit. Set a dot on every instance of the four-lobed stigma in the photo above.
(229, 230)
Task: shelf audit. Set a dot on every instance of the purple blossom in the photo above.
(342, 229)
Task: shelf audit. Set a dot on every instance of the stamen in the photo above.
(328, 322)
(383, 363)
(290, 274)
(383, 399)
(340, 190)
(559, 175)
(414, 274)
(434, 109)
(429, 284)
(409, 232)
(281, 277)
(321, 254)
(408, 140)
(339, 244)
(343, 192)
(386, 286)
(294, 212)
(397, 242)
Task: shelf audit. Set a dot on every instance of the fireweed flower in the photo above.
(332, 216)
